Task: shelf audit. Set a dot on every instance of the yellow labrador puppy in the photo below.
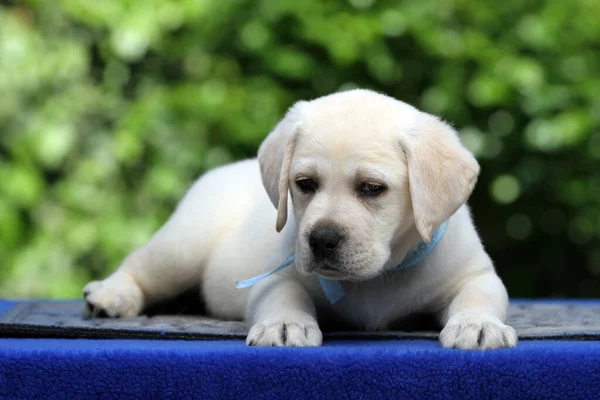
(370, 226)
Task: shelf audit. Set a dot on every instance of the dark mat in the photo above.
(64, 319)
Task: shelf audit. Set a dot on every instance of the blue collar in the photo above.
(333, 288)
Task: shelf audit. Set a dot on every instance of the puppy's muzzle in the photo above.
(324, 241)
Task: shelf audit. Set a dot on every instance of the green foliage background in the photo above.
(110, 109)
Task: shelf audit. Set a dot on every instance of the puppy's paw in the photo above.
(116, 296)
(298, 332)
(477, 331)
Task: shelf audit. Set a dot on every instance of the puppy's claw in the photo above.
(114, 297)
(285, 332)
(474, 331)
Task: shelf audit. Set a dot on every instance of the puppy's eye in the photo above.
(371, 189)
(306, 185)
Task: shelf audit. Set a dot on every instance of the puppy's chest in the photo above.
(379, 306)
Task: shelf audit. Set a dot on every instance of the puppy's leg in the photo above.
(164, 267)
(173, 259)
(282, 314)
(475, 317)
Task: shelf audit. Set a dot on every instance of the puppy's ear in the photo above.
(441, 172)
(275, 156)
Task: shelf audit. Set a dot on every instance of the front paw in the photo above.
(477, 331)
(116, 296)
(299, 332)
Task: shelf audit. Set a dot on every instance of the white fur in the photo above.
(224, 231)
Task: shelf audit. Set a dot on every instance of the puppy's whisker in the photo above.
(386, 277)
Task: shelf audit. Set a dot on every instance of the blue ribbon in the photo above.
(333, 288)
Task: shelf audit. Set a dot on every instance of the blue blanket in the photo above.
(227, 369)
(78, 369)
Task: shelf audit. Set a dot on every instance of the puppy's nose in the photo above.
(323, 240)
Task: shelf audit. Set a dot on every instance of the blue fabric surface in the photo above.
(68, 369)
(149, 369)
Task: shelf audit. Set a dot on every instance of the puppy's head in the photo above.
(363, 171)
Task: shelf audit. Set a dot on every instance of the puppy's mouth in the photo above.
(330, 274)
(325, 270)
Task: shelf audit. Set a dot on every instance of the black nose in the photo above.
(323, 240)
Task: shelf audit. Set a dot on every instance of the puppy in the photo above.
(370, 211)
